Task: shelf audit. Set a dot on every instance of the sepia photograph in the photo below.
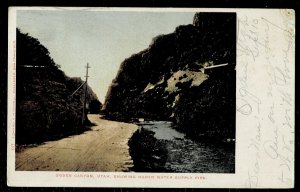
(125, 91)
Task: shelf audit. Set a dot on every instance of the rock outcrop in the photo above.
(45, 108)
(174, 79)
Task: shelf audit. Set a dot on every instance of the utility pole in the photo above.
(85, 92)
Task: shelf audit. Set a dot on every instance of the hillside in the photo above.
(166, 81)
(45, 109)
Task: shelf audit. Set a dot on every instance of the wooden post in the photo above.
(85, 92)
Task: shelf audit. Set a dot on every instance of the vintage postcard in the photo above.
(151, 97)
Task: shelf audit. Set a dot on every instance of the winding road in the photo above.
(103, 148)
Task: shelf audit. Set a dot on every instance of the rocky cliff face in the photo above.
(169, 79)
(45, 110)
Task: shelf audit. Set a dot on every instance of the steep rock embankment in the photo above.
(168, 81)
(45, 108)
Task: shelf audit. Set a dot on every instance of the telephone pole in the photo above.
(85, 92)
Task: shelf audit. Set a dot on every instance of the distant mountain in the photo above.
(176, 78)
(45, 108)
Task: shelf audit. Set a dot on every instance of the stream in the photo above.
(164, 149)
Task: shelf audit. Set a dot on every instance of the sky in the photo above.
(101, 38)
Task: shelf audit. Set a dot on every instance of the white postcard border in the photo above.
(265, 122)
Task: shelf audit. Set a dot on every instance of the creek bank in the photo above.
(148, 153)
(154, 148)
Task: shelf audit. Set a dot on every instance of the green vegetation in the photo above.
(170, 70)
(45, 109)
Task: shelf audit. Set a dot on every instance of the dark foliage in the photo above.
(208, 110)
(95, 106)
(44, 108)
(147, 153)
(211, 106)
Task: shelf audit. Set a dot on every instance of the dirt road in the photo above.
(104, 148)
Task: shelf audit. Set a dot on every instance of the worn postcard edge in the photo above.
(265, 103)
